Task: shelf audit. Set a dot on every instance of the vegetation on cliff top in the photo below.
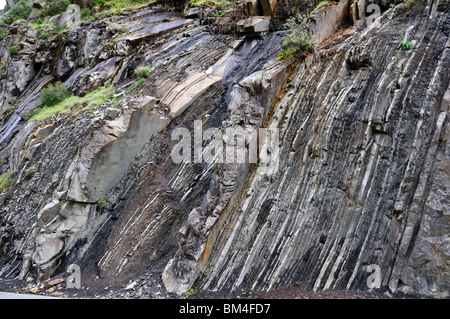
(75, 104)
(5, 180)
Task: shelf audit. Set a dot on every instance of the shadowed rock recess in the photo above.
(361, 185)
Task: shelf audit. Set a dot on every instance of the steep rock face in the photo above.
(363, 151)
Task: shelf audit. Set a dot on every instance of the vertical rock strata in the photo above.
(364, 153)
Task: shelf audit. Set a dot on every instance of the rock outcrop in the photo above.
(357, 177)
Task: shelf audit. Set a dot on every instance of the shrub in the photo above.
(54, 94)
(29, 114)
(13, 51)
(20, 11)
(405, 46)
(86, 14)
(296, 42)
(144, 72)
(191, 292)
(55, 7)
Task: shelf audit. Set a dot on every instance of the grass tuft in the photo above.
(75, 103)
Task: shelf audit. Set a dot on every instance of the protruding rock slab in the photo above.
(254, 25)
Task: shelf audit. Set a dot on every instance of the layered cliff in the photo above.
(358, 175)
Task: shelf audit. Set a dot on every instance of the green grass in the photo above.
(35, 26)
(136, 85)
(86, 15)
(319, 5)
(75, 103)
(54, 94)
(3, 33)
(143, 72)
(191, 292)
(200, 3)
(101, 202)
(20, 11)
(54, 7)
(409, 4)
(13, 51)
(115, 7)
(5, 180)
(296, 43)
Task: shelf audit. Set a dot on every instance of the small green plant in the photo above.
(39, 21)
(319, 5)
(55, 7)
(136, 85)
(86, 15)
(143, 72)
(76, 103)
(54, 94)
(2, 73)
(29, 114)
(101, 202)
(20, 11)
(405, 46)
(191, 292)
(409, 4)
(115, 7)
(31, 170)
(200, 3)
(13, 51)
(44, 35)
(296, 42)
(3, 33)
(5, 180)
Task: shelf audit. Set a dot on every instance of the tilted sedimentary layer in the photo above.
(359, 177)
